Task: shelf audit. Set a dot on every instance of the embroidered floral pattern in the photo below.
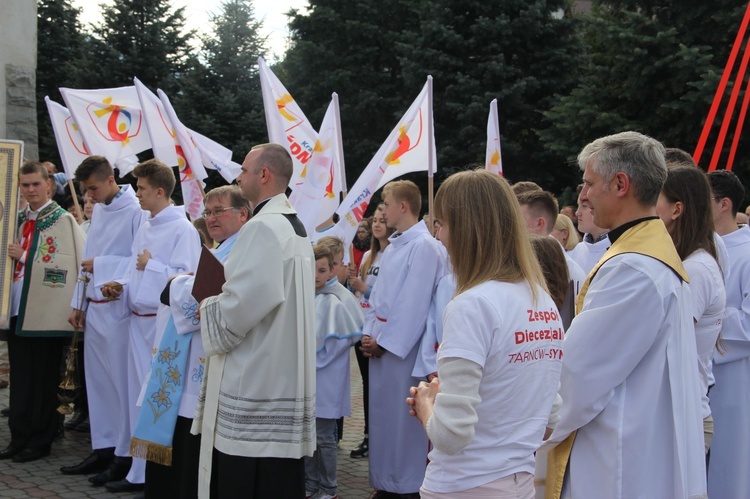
(47, 250)
(169, 377)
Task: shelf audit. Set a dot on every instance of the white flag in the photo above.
(189, 162)
(111, 123)
(407, 149)
(70, 143)
(493, 159)
(158, 124)
(216, 157)
(317, 198)
(287, 124)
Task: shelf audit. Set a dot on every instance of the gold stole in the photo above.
(649, 238)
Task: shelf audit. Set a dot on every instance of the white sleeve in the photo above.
(596, 363)
(451, 426)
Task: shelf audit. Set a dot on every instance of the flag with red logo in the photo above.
(287, 124)
(493, 158)
(111, 123)
(317, 198)
(70, 143)
(189, 162)
(410, 147)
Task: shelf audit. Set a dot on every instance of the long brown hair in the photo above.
(375, 248)
(488, 238)
(550, 255)
(694, 228)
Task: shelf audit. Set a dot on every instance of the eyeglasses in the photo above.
(216, 212)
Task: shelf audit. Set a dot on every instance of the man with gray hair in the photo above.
(630, 422)
(256, 410)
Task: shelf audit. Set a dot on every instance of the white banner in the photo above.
(493, 158)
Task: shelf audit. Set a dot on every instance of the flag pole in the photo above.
(430, 153)
(340, 148)
(74, 194)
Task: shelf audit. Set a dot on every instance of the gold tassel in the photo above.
(156, 453)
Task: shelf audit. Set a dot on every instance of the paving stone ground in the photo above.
(42, 478)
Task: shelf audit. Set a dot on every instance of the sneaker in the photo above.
(362, 449)
(326, 496)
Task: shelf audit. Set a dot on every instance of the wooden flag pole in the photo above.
(73, 193)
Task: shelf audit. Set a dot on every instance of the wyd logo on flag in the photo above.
(115, 123)
(74, 135)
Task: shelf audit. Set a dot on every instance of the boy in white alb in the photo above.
(108, 246)
(410, 269)
(730, 396)
(338, 326)
(165, 245)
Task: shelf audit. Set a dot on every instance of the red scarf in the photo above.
(28, 232)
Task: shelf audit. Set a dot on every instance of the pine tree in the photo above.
(221, 97)
(651, 66)
(518, 51)
(60, 48)
(351, 48)
(143, 38)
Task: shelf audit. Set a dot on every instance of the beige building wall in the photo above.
(18, 74)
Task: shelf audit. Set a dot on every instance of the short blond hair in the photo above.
(334, 244)
(489, 240)
(405, 190)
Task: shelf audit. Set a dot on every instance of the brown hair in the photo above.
(277, 159)
(540, 204)
(525, 186)
(34, 167)
(375, 248)
(488, 239)
(157, 174)
(405, 190)
(233, 193)
(323, 251)
(694, 228)
(94, 166)
(554, 267)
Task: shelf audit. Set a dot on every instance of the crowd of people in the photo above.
(507, 347)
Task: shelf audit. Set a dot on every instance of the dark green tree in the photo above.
(651, 66)
(221, 97)
(143, 38)
(60, 49)
(351, 48)
(518, 51)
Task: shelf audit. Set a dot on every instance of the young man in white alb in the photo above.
(165, 245)
(108, 246)
(409, 272)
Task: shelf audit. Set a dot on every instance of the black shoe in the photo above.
(124, 486)
(78, 418)
(28, 455)
(5, 412)
(362, 449)
(9, 452)
(92, 464)
(117, 471)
